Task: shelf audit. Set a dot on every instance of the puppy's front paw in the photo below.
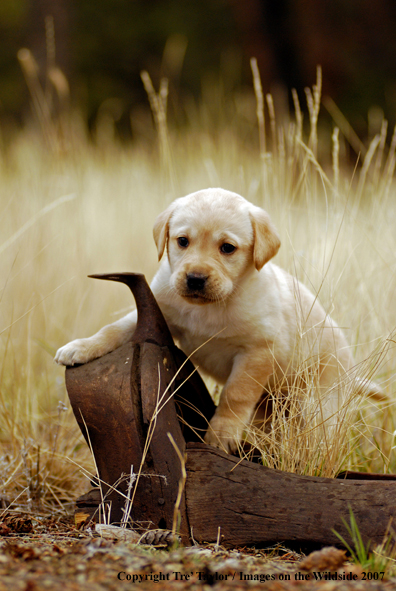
(224, 433)
(78, 351)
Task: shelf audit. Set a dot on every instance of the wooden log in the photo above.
(115, 419)
(255, 505)
(100, 396)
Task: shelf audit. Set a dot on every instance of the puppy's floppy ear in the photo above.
(161, 230)
(266, 239)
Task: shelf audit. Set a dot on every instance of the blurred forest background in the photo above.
(102, 46)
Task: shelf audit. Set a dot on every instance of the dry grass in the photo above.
(69, 208)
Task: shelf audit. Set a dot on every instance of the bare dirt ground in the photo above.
(38, 553)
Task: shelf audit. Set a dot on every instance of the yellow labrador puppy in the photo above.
(216, 284)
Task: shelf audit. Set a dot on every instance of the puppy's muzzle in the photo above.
(196, 282)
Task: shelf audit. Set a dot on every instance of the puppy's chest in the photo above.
(215, 356)
(197, 325)
(213, 344)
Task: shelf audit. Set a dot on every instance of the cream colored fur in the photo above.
(252, 315)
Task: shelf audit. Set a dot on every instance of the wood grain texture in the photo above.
(257, 505)
(114, 413)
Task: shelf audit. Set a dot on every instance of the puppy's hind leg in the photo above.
(335, 402)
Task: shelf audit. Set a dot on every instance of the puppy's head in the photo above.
(214, 239)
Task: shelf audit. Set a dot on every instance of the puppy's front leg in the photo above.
(241, 393)
(108, 338)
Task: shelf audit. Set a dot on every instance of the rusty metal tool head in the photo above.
(151, 325)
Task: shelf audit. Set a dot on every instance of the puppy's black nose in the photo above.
(196, 281)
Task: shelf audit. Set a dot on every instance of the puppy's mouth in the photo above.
(197, 298)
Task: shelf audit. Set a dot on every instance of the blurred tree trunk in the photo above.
(265, 35)
(353, 41)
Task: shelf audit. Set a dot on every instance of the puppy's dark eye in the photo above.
(182, 241)
(227, 248)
